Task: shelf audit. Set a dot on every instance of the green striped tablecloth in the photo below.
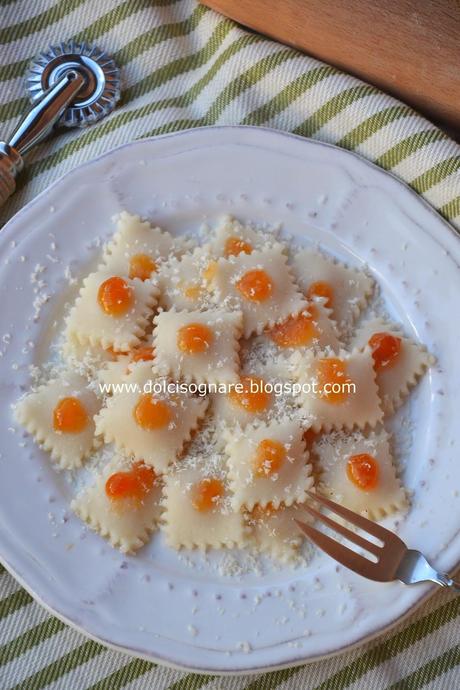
(184, 66)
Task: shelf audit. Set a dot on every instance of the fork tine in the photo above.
(342, 554)
(363, 523)
(344, 531)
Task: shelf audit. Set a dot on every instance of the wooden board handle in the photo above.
(409, 48)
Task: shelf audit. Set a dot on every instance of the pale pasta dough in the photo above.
(358, 402)
(135, 238)
(397, 378)
(36, 413)
(89, 323)
(255, 479)
(182, 281)
(334, 451)
(282, 299)
(232, 237)
(126, 522)
(162, 438)
(217, 363)
(351, 288)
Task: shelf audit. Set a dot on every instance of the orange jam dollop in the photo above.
(141, 266)
(269, 458)
(70, 416)
(192, 291)
(206, 494)
(135, 483)
(209, 273)
(115, 296)
(333, 373)
(296, 331)
(255, 285)
(322, 289)
(194, 338)
(363, 471)
(253, 397)
(142, 354)
(236, 245)
(385, 349)
(151, 414)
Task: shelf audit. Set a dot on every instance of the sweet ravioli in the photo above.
(269, 465)
(123, 504)
(398, 361)
(112, 311)
(198, 510)
(357, 470)
(344, 290)
(59, 415)
(260, 285)
(148, 426)
(198, 346)
(223, 467)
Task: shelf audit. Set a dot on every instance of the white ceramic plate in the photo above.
(155, 605)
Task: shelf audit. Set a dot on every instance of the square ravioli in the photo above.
(111, 311)
(59, 415)
(231, 238)
(338, 392)
(260, 285)
(268, 464)
(198, 511)
(147, 421)
(399, 362)
(183, 283)
(357, 470)
(197, 346)
(344, 290)
(274, 532)
(136, 249)
(123, 505)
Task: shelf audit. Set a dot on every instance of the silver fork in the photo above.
(394, 560)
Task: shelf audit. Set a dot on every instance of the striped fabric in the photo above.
(184, 66)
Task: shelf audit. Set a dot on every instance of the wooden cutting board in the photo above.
(409, 48)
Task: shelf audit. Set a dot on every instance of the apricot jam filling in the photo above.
(322, 289)
(332, 379)
(206, 494)
(386, 348)
(269, 458)
(142, 354)
(141, 266)
(151, 414)
(192, 291)
(255, 285)
(70, 416)
(296, 331)
(194, 338)
(133, 484)
(252, 398)
(363, 471)
(235, 245)
(115, 296)
(209, 273)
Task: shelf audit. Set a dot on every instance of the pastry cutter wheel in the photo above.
(70, 85)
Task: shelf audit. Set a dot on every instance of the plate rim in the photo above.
(452, 236)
